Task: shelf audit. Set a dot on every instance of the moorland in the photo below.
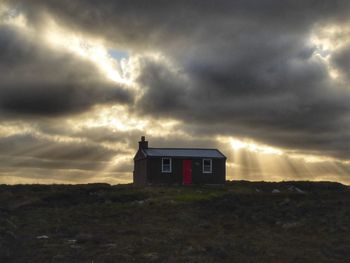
(238, 222)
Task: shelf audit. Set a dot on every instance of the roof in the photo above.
(183, 152)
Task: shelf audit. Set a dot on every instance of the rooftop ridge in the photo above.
(185, 152)
(180, 148)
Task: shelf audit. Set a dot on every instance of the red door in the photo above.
(187, 172)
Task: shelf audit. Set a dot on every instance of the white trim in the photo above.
(166, 171)
(211, 166)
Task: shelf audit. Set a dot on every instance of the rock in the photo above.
(115, 257)
(139, 202)
(110, 245)
(71, 241)
(299, 190)
(11, 224)
(150, 201)
(217, 252)
(151, 256)
(193, 250)
(285, 201)
(204, 225)
(87, 238)
(76, 246)
(290, 225)
(147, 240)
(296, 189)
(42, 237)
(59, 259)
(188, 250)
(10, 235)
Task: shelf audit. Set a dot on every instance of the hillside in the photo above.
(239, 222)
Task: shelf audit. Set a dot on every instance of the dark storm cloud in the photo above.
(38, 80)
(165, 92)
(287, 105)
(341, 60)
(259, 79)
(153, 23)
(243, 68)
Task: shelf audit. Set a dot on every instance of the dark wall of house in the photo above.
(140, 172)
(155, 175)
(216, 177)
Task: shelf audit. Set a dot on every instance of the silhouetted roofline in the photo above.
(184, 152)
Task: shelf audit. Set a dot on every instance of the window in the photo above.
(207, 165)
(166, 165)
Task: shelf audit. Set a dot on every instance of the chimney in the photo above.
(143, 144)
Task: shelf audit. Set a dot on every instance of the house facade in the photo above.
(178, 166)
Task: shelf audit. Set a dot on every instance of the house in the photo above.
(178, 166)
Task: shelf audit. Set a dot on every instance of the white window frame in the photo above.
(166, 171)
(211, 166)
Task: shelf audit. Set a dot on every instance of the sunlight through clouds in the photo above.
(9, 128)
(327, 39)
(249, 160)
(119, 118)
(11, 16)
(90, 50)
(115, 117)
(81, 81)
(253, 147)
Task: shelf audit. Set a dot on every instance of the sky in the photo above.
(267, 82)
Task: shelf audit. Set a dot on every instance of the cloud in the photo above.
(255, 79)
(39, 80)
(251, 69)
(32, 146)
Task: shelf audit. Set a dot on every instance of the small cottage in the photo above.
(178, 166)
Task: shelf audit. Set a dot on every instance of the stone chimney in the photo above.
(143, 144)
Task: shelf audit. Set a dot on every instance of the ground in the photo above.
(238, 222)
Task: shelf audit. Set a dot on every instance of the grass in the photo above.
(239, 222)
